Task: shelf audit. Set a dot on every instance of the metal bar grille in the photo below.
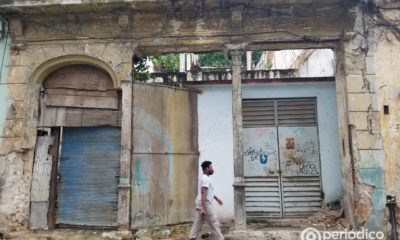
(301, 195)
(263, 197)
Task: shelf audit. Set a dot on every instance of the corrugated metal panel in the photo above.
(89, 172)
(297, 112)
(258, 113)
(263, 197)
(165, 155)
(301, 195)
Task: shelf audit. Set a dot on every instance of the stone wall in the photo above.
(367, 67)
(27, 68)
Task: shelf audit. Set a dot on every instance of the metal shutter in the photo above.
(301, 195)
(263, 197)
(297, 112)
(291, 193)
(258, 113)
(88, 177)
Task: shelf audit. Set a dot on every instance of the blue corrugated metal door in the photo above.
(87, 188)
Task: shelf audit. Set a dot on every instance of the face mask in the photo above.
(210, 171)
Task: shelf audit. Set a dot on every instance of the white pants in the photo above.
(211, 219)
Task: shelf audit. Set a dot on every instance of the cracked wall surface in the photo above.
(367, 70)
(26, 70)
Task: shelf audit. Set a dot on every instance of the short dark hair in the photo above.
(205, 164)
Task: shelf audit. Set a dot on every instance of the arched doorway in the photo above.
(80, 110)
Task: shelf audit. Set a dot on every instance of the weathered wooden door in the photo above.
(165, 155)
(281, 157)
(87, 187)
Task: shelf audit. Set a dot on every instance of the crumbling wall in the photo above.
(386, 43)
(365, 168)
(28, 67)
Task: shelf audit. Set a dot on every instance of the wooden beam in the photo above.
(41, 183)
(81, 101)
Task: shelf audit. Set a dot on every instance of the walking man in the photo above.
(204, 205)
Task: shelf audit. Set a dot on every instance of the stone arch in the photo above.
(54, 64)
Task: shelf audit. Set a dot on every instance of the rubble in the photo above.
(330, 217)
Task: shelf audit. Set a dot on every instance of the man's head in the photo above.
(207, 167)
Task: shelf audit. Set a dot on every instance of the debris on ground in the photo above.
(330, 217)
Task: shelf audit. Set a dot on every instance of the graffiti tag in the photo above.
(308, 169)
(141, 217)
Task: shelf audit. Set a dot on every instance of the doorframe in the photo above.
(55, 153)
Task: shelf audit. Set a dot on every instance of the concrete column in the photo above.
(248, 60)
(182, 62)
(239, 195)
(125, 160)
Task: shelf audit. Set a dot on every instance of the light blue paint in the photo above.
(216, 132)
(4, 100)
(141, 181)
(151, 130)
(376, 221)
(373, 177)
(372, 159)
(87, 192)
(379, 199)
(300, 131)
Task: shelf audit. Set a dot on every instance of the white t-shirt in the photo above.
(205, 181)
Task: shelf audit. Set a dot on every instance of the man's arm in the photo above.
(203, 200)
(218, 200)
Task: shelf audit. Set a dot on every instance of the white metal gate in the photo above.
(281, 157)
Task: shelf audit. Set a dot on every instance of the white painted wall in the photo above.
(320, 63)
(216, 134)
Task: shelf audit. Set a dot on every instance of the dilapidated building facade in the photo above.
(72, 110)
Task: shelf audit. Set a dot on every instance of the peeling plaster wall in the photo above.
(359, 70)
(386, 61)
(389, 95)
(21, 112)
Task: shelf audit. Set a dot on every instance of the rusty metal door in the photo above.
(87, 188)
(165, 155)
(281, 157)
(261, 160)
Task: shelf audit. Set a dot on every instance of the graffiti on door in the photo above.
(299, 151)
(260, 154)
